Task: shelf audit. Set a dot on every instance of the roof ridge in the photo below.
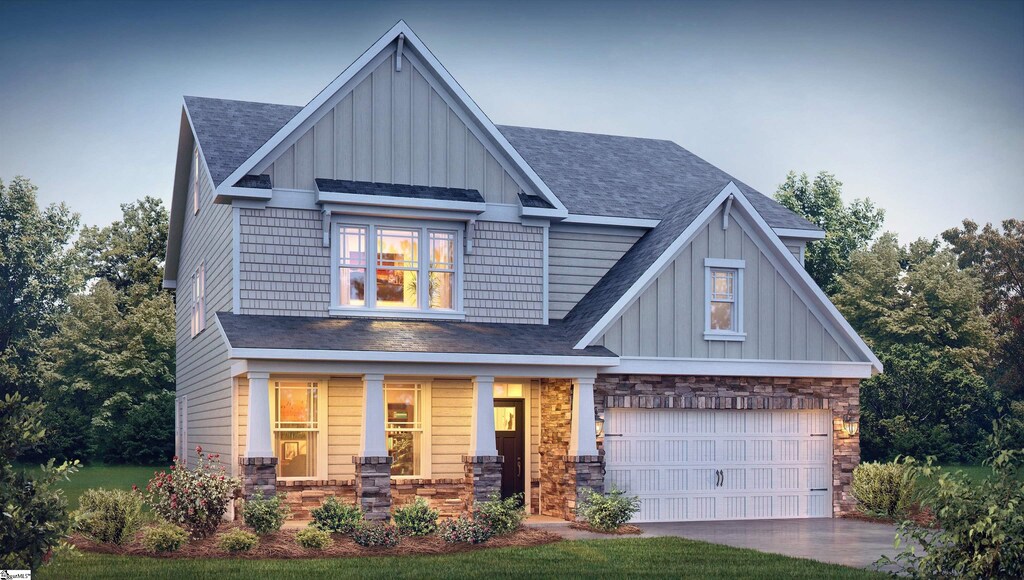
(247, 102)
(589, 133)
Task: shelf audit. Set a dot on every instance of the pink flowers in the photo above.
(196, 498)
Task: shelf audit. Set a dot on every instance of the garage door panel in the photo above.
(720, 464)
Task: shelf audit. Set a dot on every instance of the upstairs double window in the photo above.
(396, 268)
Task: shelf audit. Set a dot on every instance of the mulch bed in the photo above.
(281, 545)
(920, 516)
(621, 531)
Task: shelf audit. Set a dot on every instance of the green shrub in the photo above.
(237, 541)
(164, 537)
(502, 516)
(196, 499)
(265, 515)
(34, 519)
(376, 535)
(607, 511)
(979, 525)
(313, 538)
(416, 519)
(110, 516)
(886, 490)
(464, 530)
(336, 517)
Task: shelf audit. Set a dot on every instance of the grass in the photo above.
(649, 557)
(105, 476)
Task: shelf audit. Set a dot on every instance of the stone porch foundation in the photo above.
(259, 474)
(841, 396)
(373, 486)
(483, 476)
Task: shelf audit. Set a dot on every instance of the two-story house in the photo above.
(383, 295)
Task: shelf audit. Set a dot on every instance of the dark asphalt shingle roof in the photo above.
(230, 132)
(528, 200)
(389, 335)
(398, 190)
(630, 177)
(255, 181)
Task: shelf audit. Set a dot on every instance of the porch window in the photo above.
(724, 299)
(296, 428)
(404, 409)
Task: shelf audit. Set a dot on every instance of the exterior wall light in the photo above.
(851, 425)
(599, 423)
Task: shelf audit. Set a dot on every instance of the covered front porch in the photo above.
(450, 433)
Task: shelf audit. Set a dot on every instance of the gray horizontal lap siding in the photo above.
(203, 372)
(284, 270)
(578, 257)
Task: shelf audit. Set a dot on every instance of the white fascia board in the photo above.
(449, 369)
(741, 368)
(403, 202)
(808, 284)
(657, 267)
(413, 43)
(799, 234)
(397, 212)
(418, 357)
(230, 193)
(543, 212)
(611, 221)
(170, 284)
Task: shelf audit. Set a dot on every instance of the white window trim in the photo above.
(181, 428)
(424, 227)
(198, 315)
(426, 419)
(724, 335)
(322, 456)
(195, 182)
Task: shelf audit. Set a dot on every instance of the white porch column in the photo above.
(481, 438)
(257, 441)
(583, 429)
(372, 440)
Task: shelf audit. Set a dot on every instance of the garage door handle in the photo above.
(718, 477)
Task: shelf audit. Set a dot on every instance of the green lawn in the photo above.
(650, 557)
(106, 476)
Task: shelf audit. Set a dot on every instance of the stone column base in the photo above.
(258, 474)
(373, 486)
(483, 476)
(582, 472)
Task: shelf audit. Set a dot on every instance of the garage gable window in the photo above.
(723, 299)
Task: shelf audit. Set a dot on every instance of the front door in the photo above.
(509, 434)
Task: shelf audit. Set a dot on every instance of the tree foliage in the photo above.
(130, 251)
(998, 259)
(847, 227)
(920, 312)
(37, 273)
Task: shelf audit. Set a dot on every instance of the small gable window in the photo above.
(723, 291)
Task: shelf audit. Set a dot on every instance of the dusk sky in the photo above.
(919, 106)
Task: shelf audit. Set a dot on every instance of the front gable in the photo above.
(667, 319)
(396, 116)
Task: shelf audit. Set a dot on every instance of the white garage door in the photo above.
(721, 465)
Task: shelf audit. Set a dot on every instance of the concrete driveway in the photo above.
(836, 541)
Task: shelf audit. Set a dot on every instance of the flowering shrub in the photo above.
(265, 516)
(164, 537)
(109, 515)
(464, 530)
(502, 516)
(336, 517)
(416, 519)
(237, 541)
(607, 511)
(195, 499)
(372, 535)
(313, 538)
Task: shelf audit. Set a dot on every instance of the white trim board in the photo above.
(417, 357)
(414, 49)
(799, 234)
(740, 367)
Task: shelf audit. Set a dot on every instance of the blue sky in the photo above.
(919, 106)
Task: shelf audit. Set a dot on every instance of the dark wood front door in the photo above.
(510, 435)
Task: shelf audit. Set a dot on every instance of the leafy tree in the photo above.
(37, 273)
(847, 227)
(998, 259)
(920, 313)
(33, 514)
(129, 251)
(109, 372)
